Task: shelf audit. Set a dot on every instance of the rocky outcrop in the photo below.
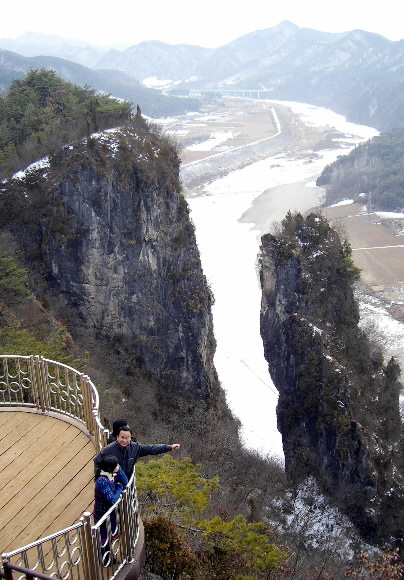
(107, 237)
(334, 391)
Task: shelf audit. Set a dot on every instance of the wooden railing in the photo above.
(82, 551)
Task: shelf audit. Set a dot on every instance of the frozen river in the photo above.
(230, 214)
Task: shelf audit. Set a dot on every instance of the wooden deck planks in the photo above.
(46, 477)
(26, 460)
(10, 424)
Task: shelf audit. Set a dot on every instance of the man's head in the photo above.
(116, 425)
(124, 436)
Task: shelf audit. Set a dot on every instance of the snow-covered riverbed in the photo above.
(229, 249)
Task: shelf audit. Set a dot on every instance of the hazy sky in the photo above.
(209, 23)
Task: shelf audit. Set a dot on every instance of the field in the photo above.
(377, 242)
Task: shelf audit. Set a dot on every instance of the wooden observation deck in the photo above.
(46, 477)
(49, 433)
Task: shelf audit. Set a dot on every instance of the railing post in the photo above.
(126, 524)
(39, 382)
(45, 390)
(35, 386)
(8, 574)
(89, 557)
(100, 434)
(97, 433)
(87, 403)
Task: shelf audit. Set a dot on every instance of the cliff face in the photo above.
(107, 236)
(303, 372)
(334, 391)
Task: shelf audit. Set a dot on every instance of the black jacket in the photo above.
(128, 456)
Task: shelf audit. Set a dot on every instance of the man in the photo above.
(128, 452)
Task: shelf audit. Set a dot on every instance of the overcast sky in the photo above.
(209, 23)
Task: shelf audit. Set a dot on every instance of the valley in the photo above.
(249, 130)
(232, 134)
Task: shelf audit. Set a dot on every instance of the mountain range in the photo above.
(113, 82)
(357, 73)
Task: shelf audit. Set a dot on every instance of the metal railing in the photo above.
(59, 555)
(29, 575)
(49, 386)
(82, 551)
(85, 551)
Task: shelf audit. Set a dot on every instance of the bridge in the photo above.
(229, 92)
(50, 430)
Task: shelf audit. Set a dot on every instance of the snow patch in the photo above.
(320, 525)
(343, 202)
(155, 83)
(212, 142)
(33, 167)
(389, 214)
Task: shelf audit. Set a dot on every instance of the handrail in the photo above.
(49, 386)
(29, 574)
(85, 551)
(82, 551)
(60, 554)
(49, 538)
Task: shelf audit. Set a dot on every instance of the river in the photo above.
(230, 213)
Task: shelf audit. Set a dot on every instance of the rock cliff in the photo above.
(106, 235)
(338, 403)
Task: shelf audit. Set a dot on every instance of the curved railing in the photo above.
(82, 551)
(51, 387)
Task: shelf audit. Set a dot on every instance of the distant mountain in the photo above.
(247, 58)
(38, 44)
(113, 82)
(157, 59)
(356, 73)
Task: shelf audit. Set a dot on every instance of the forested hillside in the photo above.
(375, 168)
(14, 66)
(41, 112)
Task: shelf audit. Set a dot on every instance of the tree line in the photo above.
(375, 167)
